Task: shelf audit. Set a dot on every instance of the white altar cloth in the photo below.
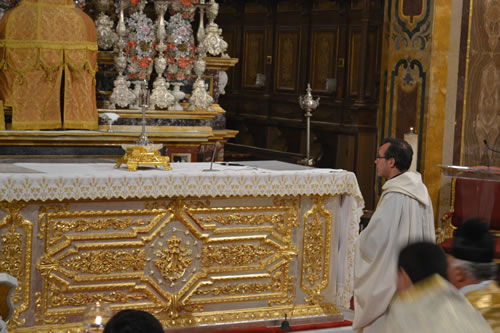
(61, 181)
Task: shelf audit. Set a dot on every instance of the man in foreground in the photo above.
(403, 215)
(425, 301)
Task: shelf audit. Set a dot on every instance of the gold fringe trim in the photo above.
(41, 44)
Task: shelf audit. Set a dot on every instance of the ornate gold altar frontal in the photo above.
(191, 261)
(39, 39)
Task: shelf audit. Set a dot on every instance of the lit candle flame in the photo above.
(98, 320)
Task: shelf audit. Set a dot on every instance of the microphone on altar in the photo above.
(216, 146)
(490, 149)
(285, 325)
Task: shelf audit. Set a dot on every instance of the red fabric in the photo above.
(294, 328)
(477, 198)
(446, 245)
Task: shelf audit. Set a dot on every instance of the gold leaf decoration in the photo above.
(107, 261)
(237, 218)
(11, 255)
(234, 255)
(173, 261)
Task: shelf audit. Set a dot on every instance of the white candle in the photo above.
(412, 139)
(98, 320)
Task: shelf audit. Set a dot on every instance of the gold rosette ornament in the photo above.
(40, 40)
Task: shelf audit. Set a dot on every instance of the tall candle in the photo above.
(412, 139)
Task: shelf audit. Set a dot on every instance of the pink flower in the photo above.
(144, 62)
(183, 62)
(145, 29)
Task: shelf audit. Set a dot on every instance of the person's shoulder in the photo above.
(391, 196)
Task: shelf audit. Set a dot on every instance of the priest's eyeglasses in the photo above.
(379, 157)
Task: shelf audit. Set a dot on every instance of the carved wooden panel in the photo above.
(253, 57)
(324, 5)
(354, 56)
(376, 4)
(287, 59)
(254, 8)
(372, 62)
(357, 4)
(288, 6)
(323, 58)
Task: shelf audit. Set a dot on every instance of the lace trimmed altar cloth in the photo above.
(61, 181)
(39, 39)
(304, 224)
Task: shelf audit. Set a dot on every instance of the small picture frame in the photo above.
(181, 157)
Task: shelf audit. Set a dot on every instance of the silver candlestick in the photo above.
(308, 104)
(144, 96)
(121, 95)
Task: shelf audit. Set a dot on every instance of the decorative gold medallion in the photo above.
(174, 260)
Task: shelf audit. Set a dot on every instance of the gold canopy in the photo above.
(39, 41)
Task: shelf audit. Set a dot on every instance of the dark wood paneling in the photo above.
(323, 58)
(297, 42)
(253, 57)
(372, 63)
(354, 61)
(287, 60)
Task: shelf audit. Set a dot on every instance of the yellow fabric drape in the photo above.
(39, 40)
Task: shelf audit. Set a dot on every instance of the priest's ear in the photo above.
(391, 162)
(404, 282)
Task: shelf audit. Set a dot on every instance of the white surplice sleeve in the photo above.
(397, 221)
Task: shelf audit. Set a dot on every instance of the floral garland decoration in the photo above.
(184, 7)
(180, 48)
(140, 46)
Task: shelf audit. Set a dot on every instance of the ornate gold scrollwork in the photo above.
(42, 216)
(237, 218)
(39, 319)
(15, 257)
(316, 250)
(173, 261)
(106, 261)
(178, 259)
(234, 255)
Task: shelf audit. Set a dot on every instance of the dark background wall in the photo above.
(294, 43)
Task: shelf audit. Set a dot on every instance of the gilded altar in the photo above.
(194, 247)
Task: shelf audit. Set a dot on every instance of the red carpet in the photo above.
(295, 328)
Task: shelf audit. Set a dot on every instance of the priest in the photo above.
(425, 301)
(472, 270)
(403, 215)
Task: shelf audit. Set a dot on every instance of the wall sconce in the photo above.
(260, 80)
